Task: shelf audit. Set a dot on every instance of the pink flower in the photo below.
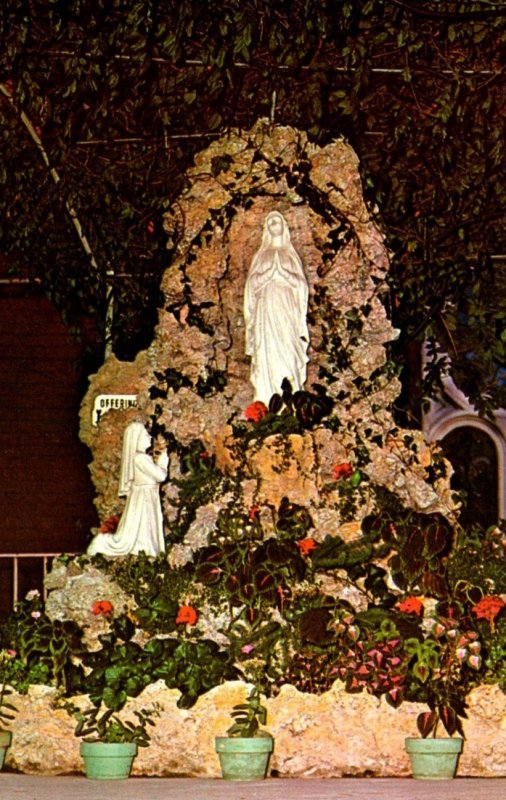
(247, 649)
(474, 662)
(36, 614)
(461, 653)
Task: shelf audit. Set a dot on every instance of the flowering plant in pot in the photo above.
(110, 743)
(442, 664)
(244, 753)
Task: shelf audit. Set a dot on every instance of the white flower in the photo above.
(179, 556)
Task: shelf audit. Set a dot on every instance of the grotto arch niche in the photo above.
(476, 448)
(477, 451)
(193, 383)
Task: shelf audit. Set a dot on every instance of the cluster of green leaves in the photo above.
(97, 725)
(123, 94)
(122, 668)
(172, 379)
(45, 649)
(250, 571)
(200, 482)
(419, 545)
(288, 412)
(248, 716)
(480, 554)
(154, 588)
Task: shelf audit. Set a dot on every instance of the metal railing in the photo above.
(16, 558)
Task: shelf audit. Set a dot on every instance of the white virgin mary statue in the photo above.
(275, 311)
(141, 524)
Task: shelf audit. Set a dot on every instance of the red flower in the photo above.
(342, 471)
(110, 524)
(306, 546)
(186, 616)
(488, 608)
(102, 608)
(411, 605)
(255, 411)
(253, 513)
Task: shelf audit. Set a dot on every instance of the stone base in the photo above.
(331, 735)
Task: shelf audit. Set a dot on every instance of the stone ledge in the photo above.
(316, 736)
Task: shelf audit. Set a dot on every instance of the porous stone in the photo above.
(334, 734)
(73, 588)
(194, 377)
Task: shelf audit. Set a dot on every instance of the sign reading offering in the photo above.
(104, 402)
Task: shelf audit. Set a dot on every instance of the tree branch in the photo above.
(70, 210)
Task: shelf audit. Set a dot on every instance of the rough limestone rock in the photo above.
(72, 591)
(193, 380)
(316, 736)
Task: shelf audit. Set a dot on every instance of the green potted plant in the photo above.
(110, 744)
(7, 709)
(442, 664)
(434, 757)
(244, 753)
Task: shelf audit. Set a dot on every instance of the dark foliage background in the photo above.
(104, 103)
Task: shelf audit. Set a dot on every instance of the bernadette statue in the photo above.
(275, 311)
(141, 524)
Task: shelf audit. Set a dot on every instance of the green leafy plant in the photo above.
(103, 725)
(122, 668)
(45, 649)
(443, 666)
(248, 717)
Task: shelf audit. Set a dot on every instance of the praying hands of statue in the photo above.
(159, 447)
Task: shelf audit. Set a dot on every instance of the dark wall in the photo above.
(46, 500)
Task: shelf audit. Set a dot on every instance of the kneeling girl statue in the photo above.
(141, 524)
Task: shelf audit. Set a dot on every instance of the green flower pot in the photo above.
(434, 759)
(244, 759)
(5, 741)
(105, 761)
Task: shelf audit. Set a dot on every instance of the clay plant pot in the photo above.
(107, 761)
(244, 759)
(432, 758)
